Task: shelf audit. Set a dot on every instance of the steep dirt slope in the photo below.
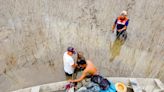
(34, 34)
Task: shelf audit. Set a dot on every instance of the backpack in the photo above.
(102, 82)
(111, 88)
(97, 79)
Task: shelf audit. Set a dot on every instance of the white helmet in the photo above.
(124, 13)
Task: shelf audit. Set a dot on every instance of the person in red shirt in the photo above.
(121, 24)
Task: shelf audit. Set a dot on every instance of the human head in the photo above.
(82, 64)
(123, 14)
(80, 55)
(71, 51)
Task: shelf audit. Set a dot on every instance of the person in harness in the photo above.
(121, 24)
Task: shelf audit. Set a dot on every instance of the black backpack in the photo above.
(102, 82)
(96, 79)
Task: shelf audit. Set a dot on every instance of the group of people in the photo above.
(81, 64)
(88, 69)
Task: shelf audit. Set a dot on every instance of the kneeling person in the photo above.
(88, 70)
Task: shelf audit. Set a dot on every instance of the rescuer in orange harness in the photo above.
(121, 24)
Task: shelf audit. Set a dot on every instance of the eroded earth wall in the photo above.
(34, 34)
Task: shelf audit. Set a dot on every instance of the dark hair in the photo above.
(82, 62)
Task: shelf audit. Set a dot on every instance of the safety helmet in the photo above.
(124, 13)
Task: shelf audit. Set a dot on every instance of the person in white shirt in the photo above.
(69, 64)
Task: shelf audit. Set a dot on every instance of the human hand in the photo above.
(71, 80)
(76, 65)
(119, 30)
(112, 31)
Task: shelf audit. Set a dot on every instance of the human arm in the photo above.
(74, 65)
(114, 25)
(79, 79)
(125, 27)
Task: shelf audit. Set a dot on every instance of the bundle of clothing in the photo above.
(97, 84)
